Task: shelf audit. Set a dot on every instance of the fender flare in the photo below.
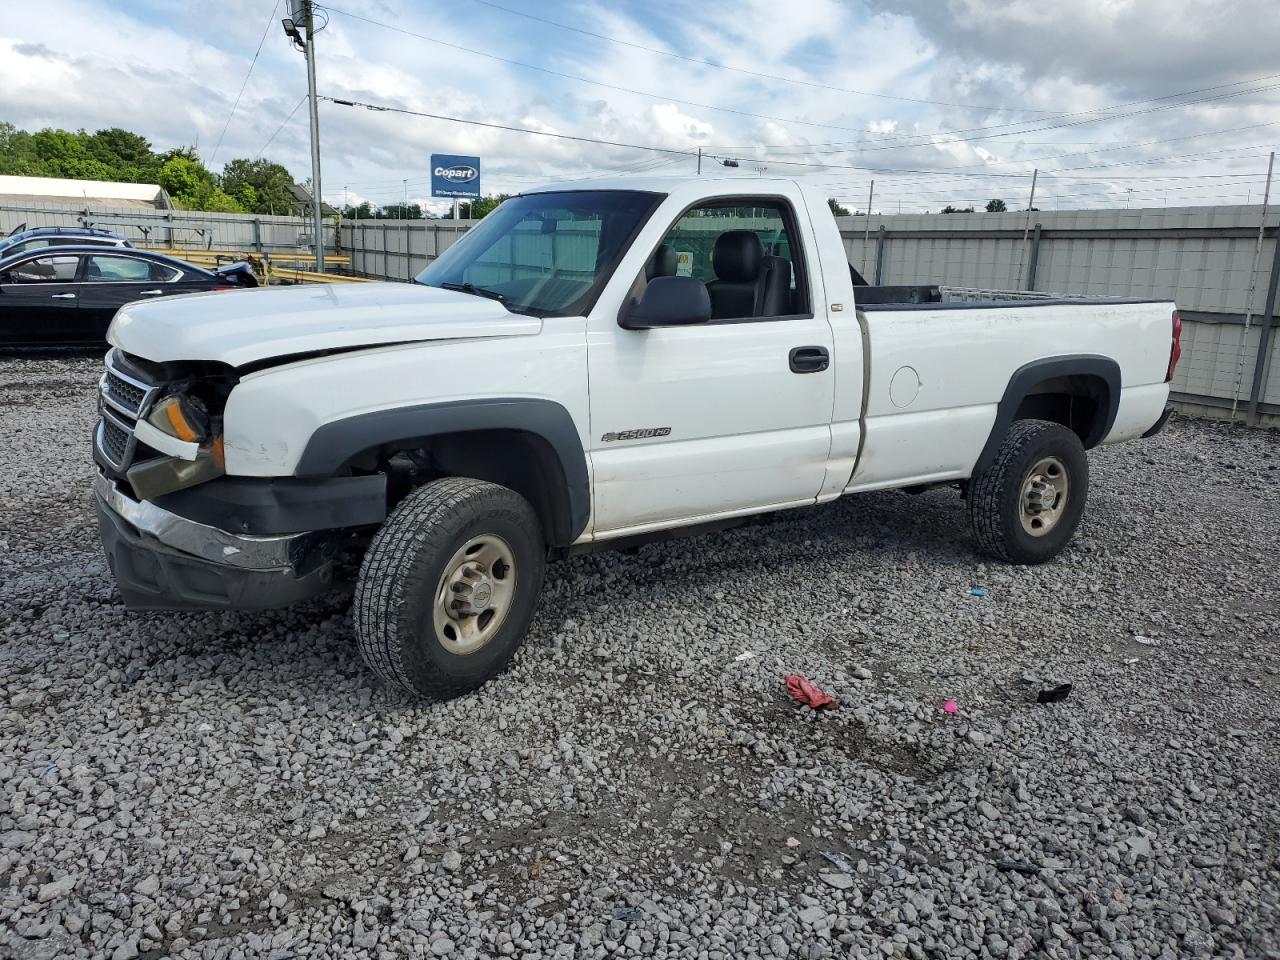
(1049, 368)
(334, 444)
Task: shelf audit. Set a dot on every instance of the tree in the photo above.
(118, 154)
(259, 186)
(398, 211)
(950, 209)
(478, 209)
(193, 187)
(996, 206)
(364, 211)
(836, 208)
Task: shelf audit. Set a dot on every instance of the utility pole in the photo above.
(866, 233)
(1026, 225)
(404, 212)
(307, 41)
(316, 204)
(699, 161)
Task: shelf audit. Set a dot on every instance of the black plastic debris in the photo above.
(1018, 866)
(627, 914)
(1054, 694)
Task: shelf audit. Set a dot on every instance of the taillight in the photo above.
(220, 289)
(1175, 349)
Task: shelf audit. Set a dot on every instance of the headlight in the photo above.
(183, 417)
(193, 455)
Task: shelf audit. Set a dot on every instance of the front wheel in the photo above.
(448, 587)
(1026, 504)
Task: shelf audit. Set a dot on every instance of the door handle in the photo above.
(62, 296)
(809, 359)
(150, 293)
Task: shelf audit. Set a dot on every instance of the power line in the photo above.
(502, 126)
(283, 124)
(271, 17)
(752, 73)
(927, 138)
(587, 80)
(688, 153)
(1092, 116)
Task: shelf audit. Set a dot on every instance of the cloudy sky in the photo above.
(1138, 102)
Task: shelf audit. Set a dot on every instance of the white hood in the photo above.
(243, 326)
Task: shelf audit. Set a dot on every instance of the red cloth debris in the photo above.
(802, 691)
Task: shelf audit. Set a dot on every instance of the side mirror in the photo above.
(670, 302)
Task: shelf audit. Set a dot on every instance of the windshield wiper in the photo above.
(473, 289)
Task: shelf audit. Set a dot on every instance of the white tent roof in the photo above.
(100, 191)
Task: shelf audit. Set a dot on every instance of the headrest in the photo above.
(662, 263)
(736, 256)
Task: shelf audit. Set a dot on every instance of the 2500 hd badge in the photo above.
(642, 434)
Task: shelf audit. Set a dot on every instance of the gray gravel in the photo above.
(238, 786)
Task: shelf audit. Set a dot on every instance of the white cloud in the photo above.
(170, 77)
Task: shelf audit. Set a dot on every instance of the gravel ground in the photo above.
(638, 784)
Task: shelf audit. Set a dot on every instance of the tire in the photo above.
(423, 560)
(1023, 516)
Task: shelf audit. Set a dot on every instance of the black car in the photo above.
(67, 296)
(20, 241)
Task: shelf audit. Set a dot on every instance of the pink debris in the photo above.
(792, 842)
(802, 691)
(950, 707)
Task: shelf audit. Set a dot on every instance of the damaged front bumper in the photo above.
(163, 561)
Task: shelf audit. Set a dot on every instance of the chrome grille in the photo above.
(123, 392)
(123, 399)
(115, 441)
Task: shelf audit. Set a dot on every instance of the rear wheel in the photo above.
(1026, 504)
(448, 587)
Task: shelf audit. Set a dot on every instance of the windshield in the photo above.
(545, 253)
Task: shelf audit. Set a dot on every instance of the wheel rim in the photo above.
(475, 594)
(1044, 496)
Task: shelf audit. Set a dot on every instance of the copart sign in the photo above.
(454, 176)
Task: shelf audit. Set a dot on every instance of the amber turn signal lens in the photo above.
(170, 416)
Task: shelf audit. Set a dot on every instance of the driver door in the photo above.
(39, 300)
(716, 419)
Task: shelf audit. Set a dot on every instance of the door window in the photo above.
(22, 246)
(745, 252)
(50, 269)
(111, 269)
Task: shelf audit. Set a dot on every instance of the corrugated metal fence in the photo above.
(179, 229)
(1201, 257)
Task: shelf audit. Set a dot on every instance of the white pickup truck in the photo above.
(592, 365)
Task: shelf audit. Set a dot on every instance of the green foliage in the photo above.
(477, 209)
(996, 206)
(837, 209)
(398, 211)
(255, 186)
(950, 209)
(259, 186)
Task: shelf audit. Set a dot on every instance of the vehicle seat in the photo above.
(661, 264)
(93, 272)
(747, 284)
